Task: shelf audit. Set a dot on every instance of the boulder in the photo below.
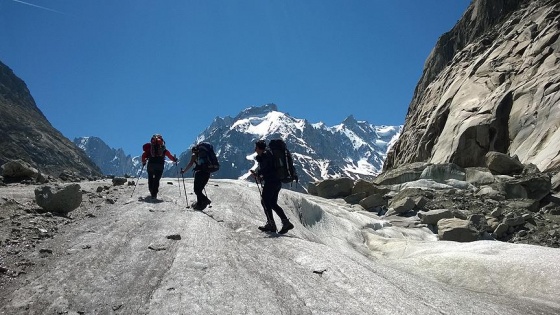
(488, 192)
(334, 188)
(118, 181)
(500, 163)
(479, 176)
(59, 199)
(457, 230)
(19, 169)
(443, 172)
(369, 188)
(355, 198)
(402, 174)
(402, 205)
(433, 216)
(500, 230)
(555, 182)
(372, 202)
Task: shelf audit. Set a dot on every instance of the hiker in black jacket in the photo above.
(201, 177)
(266, 172)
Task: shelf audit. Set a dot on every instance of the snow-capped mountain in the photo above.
(352, 148)
(110, 161)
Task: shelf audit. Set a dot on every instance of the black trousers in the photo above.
(155, 171)
(200, 180)
(269, 201)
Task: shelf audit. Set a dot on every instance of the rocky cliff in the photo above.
(28, 135)
(490, 84)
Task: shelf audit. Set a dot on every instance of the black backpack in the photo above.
(157, 148)
(208, 157)
(283, 161)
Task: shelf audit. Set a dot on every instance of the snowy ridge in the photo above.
(353, 148)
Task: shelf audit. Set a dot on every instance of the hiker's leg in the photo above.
(267, 201)
(274, 200)
(200, 180)
(151, 185)
(158, 172)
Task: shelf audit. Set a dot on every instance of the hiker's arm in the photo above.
(191, 162)
(144, 157)
(171, 157)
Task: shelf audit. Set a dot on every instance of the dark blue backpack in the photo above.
(283, 161)
(207, 157)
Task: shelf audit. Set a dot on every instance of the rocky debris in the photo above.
(464, 204)
(25, 228)
(60, 198)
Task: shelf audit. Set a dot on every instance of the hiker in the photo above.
(266, 172)
(155, 153)
(204, 159)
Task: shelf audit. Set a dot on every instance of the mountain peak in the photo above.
(350, 120)
(257, 111)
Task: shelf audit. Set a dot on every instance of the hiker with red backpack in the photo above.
(154, 154)
(267, 173)
(205, 161)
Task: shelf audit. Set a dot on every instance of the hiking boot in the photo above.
(269, 227)
(286, 226)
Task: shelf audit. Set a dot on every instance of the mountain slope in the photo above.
(353, 148)
(110, 161)
(490, 84)
(28, 135)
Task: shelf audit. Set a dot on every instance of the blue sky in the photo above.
(123, 70)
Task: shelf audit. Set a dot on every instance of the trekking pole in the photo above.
(178, 182)
(258, 186)
(137, 180)
(185, 188)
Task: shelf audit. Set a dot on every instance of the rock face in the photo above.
(490, 84)
(110, 161)
(28, 135)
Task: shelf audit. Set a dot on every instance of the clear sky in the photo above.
(123, 70)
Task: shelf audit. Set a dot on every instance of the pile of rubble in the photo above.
(505, 201)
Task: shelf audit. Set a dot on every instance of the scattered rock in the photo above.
(59, 199)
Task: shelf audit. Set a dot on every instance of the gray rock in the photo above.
(372, 202)
(457, 230)
(355, 198)
(402, 205)
(555, 182)
(19, 169)
(442, 172)
(488, 192)
(59, 199)
(403, 174)
(433, 216)
(500, 163)
(335, 188)
(479, 176)
(118, 181)
(488, 86)
(369, 188)
(500, 230)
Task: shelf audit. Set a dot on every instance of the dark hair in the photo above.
(261, 144)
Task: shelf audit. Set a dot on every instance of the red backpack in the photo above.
(157, 146)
